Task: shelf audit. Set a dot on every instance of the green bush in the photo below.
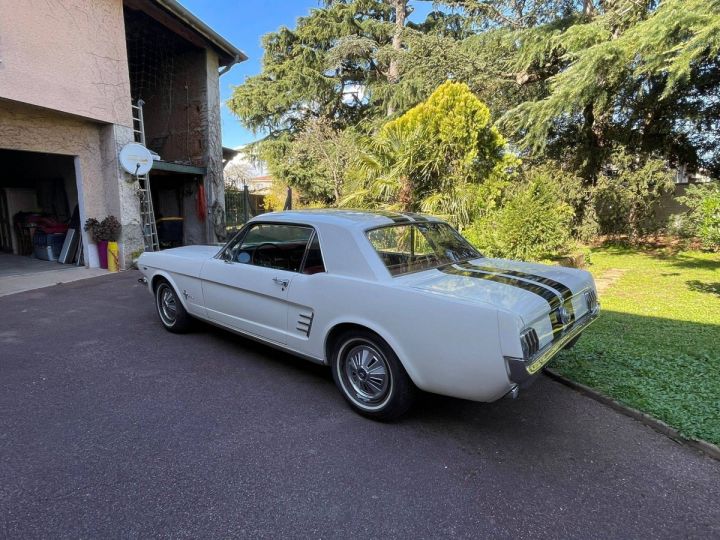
(532, 224)
(709, 230)
(701, 218)
(628, 193)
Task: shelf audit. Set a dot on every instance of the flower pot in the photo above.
(102, 246)
(113, 255)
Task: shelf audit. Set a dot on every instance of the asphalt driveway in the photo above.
(112, 427)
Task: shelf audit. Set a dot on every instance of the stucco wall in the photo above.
(105, 188)
(66, 55)
(120, 190)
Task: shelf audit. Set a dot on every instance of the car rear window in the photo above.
(413, 247)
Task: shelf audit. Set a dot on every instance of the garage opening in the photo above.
(177, 214)
(38, 207)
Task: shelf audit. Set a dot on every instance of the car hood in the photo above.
(193, 251)
(186, 260)
(518, 287)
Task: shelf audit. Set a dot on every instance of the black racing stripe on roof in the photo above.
(416, 217)
(395, 216)
(563, 289)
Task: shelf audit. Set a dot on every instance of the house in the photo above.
(74, 78)
(246, 171)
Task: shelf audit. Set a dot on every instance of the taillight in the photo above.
(530, 343)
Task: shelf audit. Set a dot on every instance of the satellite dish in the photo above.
(136, 159)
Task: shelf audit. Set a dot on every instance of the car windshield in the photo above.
(418, 246)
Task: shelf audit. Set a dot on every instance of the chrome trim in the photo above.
(530, 343)
(514, 392)
(281, 281)
(522, 371)
(591, 300)
(304, 323)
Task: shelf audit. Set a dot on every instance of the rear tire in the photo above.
(370, 376)
(173, 315)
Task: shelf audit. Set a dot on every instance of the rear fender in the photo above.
(387, 337)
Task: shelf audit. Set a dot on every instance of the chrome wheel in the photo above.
(365, 374)
(369, 375)
(166, 304)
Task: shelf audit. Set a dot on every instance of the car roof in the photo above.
(363, 219)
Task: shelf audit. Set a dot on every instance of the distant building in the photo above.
(685, 175)
(246, 169)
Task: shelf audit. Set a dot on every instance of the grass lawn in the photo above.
(656, 345)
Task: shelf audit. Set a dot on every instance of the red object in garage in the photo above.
(201, 203)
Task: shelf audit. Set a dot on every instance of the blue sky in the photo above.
(243, 23)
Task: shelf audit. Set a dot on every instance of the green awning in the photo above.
(169, 166)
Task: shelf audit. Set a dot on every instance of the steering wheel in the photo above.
(257, 254)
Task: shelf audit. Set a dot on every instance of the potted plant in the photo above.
(102, 232)
(112, 229)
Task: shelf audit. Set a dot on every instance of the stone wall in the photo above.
(214, 180)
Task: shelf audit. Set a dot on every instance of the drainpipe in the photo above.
(227, 68)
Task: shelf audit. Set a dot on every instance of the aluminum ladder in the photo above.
(147, 212)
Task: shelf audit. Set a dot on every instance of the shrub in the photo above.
(533, 223)
(108, 229)
(709, 230)
(628, 193)
(434, 158)
(699, 214)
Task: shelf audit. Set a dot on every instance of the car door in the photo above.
(245, 286)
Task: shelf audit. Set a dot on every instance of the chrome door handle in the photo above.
(280, 281)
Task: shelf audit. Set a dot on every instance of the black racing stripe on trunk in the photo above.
(550, 297)
(564, 290)
(553, 298)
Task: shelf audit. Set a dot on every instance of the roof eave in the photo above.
(233, 55)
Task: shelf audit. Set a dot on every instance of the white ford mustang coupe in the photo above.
(392, 302)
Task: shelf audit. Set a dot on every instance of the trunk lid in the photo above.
(531, 291)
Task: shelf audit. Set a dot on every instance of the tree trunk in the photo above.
(400, 8)
(588, 8)
(593, 142)
(336, 190)
(405, 196)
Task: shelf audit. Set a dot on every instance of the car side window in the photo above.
(313, 260)
(272, 245)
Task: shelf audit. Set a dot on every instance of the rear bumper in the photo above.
(523, 372)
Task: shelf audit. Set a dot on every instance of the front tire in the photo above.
(370, 376)
(173, 315)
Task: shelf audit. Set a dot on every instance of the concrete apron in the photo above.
(39, 274)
